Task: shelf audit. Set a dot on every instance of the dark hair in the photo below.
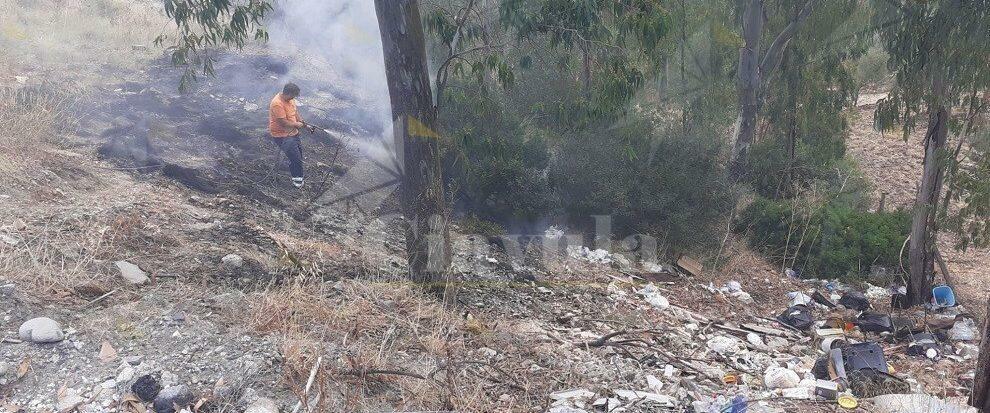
(291, 89)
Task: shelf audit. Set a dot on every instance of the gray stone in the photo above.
(69, 401)
(41, 330)
(232, 260)
(8, 373)
(132, 273)
(262, 405)
(173, 396)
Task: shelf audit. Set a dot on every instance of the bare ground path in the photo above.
(893, 166)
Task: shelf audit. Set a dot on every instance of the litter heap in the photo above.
(832, 346)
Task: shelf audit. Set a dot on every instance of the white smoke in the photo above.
(340, 35)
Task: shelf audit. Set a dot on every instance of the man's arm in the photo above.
(286, 123)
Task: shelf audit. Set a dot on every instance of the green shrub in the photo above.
(495, 164)
(660, 184)
(829, 241)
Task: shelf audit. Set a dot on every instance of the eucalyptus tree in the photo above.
(939, 52)
(756, 64)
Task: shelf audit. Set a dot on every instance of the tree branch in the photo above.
(776, 49)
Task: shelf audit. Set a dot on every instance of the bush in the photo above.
(662, 184)
(828, 241)
(495, 164)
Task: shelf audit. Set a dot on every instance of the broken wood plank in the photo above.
(756, 328)
(691, 265)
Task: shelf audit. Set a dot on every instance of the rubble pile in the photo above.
(833, 347)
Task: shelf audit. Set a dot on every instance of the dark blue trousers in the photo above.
(292, 149)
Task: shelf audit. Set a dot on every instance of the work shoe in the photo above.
(297, 182)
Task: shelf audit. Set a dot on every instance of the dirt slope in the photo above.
(893, 166)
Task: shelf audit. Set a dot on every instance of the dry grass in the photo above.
(75, 38)
(384, 346)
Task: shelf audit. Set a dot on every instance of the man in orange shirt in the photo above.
(284, 124)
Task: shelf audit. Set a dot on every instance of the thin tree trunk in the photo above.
(980, 398)
(586, 68)
(417, 143)
(921, 254)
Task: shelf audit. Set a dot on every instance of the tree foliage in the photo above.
(206, 25)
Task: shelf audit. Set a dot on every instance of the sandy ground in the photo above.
(893, 166)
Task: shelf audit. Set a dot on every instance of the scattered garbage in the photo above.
(877, 293)
(848, 402)
(855, 300)
(799, 298)
(597, 256)
(898, 403)
(780, 378)
(925, 345)
(963, 330)
(943, 297)
(724, 345)
(797, 316)
(873, 322)
(734, 289)
(690, 265)
(821, 299)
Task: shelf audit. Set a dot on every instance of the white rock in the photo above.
(126, 375)
(654, 383)
(755, 339)
(566, 409)
(733, 286)
(132, 273)
(232, 260)
(658, 301)
(743, 297)
(262, 405)
(574, 394)
(40, 330)
(780, 378)
(69, 401)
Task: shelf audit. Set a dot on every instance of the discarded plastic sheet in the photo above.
(797, 316)
(874, 322)
(855, 300)
(820, 298)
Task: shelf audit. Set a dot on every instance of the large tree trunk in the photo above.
(980, 398)
(921, 254)
(417, 143)
(748, 85)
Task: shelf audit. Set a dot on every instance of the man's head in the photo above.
(290, 91)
